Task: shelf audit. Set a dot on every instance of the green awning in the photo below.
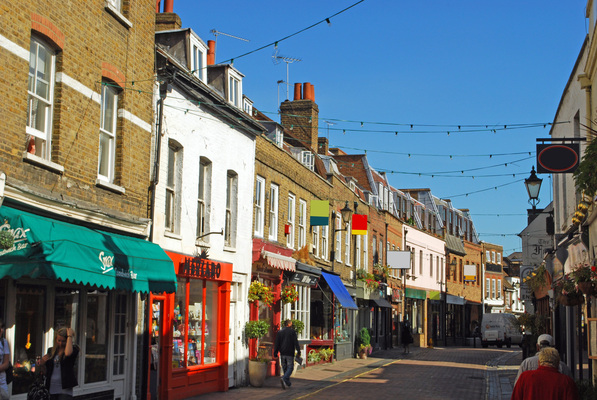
(415, 293)
(48, 248)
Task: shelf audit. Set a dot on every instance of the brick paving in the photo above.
(446, 373)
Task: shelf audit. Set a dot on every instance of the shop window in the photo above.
(343, 323)
(66, 305)
(300, 310)
(29, 333)
(96, 337)
(321, 314)
(119, 334)
(196, 345)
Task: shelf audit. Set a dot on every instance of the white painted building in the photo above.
(203, 208)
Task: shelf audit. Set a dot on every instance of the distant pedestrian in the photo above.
(406, 337)
(546, 382)
(286, 343)
(532, 363)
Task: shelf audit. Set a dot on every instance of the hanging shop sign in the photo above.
(201, 267)
(303, 279)
(557, 158)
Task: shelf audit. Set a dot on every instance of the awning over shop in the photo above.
(380, 303)
(279, 261)
(435, 295)
(415, 294)
(339, 290)
(49, 248)
(451, 299)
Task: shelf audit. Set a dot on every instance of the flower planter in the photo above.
(257, 373)
(586, 288)
(363, 355)
(571, 300)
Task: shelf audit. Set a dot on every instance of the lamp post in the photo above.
(346, 214)
(533, 185)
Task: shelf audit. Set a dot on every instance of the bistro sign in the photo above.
(198, 267)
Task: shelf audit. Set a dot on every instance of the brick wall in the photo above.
(86, 37)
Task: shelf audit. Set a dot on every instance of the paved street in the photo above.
(445, 373)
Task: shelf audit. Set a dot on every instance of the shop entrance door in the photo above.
(155, 347)
(232, 345)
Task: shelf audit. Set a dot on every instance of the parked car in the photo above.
(500, 329)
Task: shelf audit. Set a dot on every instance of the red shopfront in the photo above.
(189, 331)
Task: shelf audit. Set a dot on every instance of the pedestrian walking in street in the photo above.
(4, 363)
(286, 344)
(532, 363)
(546, 382)
(406, 337)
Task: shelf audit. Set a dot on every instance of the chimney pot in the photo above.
(211, 52)
(168, 6)
(312, 94)
(306, 91)
(297, 91)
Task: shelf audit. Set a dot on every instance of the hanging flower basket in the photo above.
(586, 288)
(259, 292)
(571, 300)
(7, 240)
(289, 294)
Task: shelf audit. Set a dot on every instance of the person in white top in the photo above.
(4, 362)
(532, 363)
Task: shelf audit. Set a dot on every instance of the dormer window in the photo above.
(235, 90)
(247, 106)
(352, 186)
(198, 58)
(307, 159)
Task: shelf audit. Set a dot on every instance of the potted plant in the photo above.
(7, 239)
(289, 294)
(364, 348)
(259, 292)
(298, 326)
(258, 365)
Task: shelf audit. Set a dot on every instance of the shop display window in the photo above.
(300, 310)
(96, 337)
(321, 314)
(29, 334)
(196, 330)
(343, 325)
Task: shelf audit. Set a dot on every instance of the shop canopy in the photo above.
(48, 248)
(339, 290)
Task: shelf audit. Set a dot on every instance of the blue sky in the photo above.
(437, 66)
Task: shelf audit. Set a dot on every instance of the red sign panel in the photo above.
(200, 268)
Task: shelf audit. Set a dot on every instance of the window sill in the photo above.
(116, 14)
(230, 249)
(172, 235)
(202, 243)
(43, 163)
(109, 186)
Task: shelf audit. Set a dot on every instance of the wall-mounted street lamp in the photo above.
(346, 214)
(533, 185)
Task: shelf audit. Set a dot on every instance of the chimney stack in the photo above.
(211, 52)
(167, 20)
(302, 115)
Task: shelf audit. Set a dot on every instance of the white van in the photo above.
(500, 329)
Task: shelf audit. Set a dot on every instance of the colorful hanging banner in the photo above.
(320, 212)
(359, 224)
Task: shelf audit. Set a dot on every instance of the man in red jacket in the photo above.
(546, 382)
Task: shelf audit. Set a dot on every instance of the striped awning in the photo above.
(279, 261)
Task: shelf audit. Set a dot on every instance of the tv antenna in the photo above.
(276, 58)
(216, 33)
(328, 124)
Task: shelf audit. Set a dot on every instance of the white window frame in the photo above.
(291, 220)
(300, 310)
(231, 207)
(307, 159)
(499, 289)
(498, 258)
(198, 59)
(347, 237)
(338, 239)
(487, 256)
(173, 186)
(116, 4)
(274, 190)
(315, 241)
(357, 250)
(203, 199)
(325, 240)
(493, 288)
(487, 288)
(259, 206)
(107, 133)
(235, 88)
(366, 251)
(43, 137)
(302, 224)
(493, 257)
